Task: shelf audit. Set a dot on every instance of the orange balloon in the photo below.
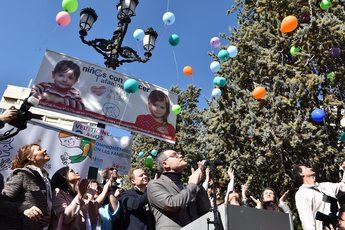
(259, 93)
(188, 70)
(289, 24)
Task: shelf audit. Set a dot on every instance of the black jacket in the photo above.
(136, 210)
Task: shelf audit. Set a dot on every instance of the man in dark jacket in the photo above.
(173, 204)
(134, 203)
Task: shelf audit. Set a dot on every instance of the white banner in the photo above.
(63, 147)
(72, 86)
(111, 153)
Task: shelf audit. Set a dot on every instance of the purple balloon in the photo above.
(335, 52)
(215, 42)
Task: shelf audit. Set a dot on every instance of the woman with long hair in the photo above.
(26, 199)
(70, 209)
(268, 201)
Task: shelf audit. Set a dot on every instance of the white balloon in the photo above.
(125, 141)
(168, 18)
(216, 93)
(215, 66)
(232, 50)
(138, 35)
(342, 122)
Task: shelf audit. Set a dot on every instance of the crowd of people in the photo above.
(31, 199)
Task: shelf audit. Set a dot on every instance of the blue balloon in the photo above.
(215, 66)
(216, 93)
(223, 55)
(141, 154)
(131, 86)
(154, 152)
(232, 50)
(318, 115)
(168, 18)
(138, 35)
(174, 39)
(219, 81)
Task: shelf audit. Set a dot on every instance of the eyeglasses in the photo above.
(174, 155)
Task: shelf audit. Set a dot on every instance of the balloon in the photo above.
(70, 6)
(125, 141)
(131, 86)
(141, 154)
(232, 50)
(342, 122)
(215, 66)
(216, 93)
(219, 81)
(188, 70)
(176, 109)
(318, 115)
(168, 18)
(154, 152)
(148, 162)
(174, 39)
(63, 18)
(342, 137)
(138, 35)
(223, 55)
(335, 52)
(289, 24)
(330, 77)
(294, 50)
(215, 42)
(325, 4)
(259, 93)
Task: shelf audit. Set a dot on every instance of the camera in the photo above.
(23, 114)
(331, 219)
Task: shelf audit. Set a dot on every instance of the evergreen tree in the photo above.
(262, 139)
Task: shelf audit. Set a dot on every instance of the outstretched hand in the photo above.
(283, 197)
(195, 177)
(231, 173)
(257, 201)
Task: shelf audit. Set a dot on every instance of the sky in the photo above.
(29, 28)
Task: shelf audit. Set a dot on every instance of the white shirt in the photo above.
(309, 202)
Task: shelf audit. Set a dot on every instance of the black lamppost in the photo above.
(112, 49)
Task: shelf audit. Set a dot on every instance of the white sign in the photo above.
(111, 153)
(72, 86)
(93, 132)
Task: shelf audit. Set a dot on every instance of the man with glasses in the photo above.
(316, 203)
(173, 204)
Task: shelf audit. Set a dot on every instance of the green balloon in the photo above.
(70, 6)
(176, 109)
(325, 4)
(294, 50)
(148, 162)
(330, 77)
(174, 39)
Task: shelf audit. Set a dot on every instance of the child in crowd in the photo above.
(157, 121)
(65, 74)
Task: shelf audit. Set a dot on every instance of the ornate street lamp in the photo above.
(112, 49)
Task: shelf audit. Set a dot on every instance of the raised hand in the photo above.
(231, 173)
(196, 176)
(257, 201)
(283, 197)
(82, 187)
